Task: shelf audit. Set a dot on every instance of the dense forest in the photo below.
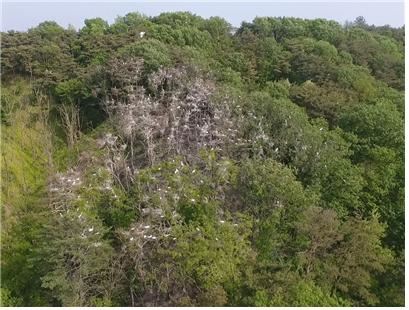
(178, 161)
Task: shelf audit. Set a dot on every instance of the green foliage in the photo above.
(80, 259)
(94, 27)
(213, 257)
(268, 186)
(365, 121)
(48, 30)
(25, 149)
(343, 255)
(154, 53)
(306, 293)
(379, 150)
(326, 101)
(72, 91)
(178, 19)
(6, 300)
(360, 254)
(129, 22)
(12, 98)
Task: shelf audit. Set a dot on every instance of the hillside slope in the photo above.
(169, 161)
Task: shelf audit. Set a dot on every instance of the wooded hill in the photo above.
(171, 161)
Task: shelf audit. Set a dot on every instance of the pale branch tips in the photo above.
(181, 117)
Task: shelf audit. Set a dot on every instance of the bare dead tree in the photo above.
(175, 114)
(70, 117)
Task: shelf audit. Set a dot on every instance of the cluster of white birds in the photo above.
(89, 229)
(149, 237)
(71, 179)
